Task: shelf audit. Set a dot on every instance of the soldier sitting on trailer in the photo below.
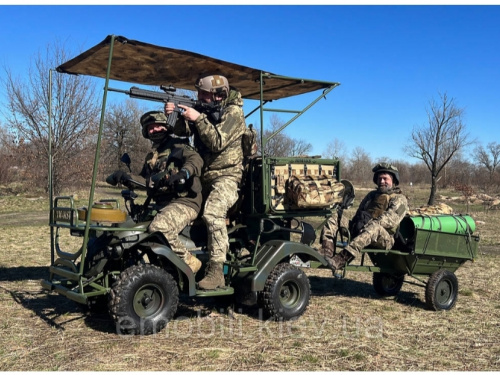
(375, 223)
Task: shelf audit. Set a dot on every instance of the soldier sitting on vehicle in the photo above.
(375, 223)
(172, 171)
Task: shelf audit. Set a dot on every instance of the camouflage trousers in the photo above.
(171, 220)
(373, 235)
(222, 195)
(331, 227)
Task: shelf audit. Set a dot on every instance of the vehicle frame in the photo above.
(269, 225)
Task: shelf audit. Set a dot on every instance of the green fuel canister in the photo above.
(457, 224)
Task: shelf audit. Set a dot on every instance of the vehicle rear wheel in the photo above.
(387, 285)
(143, 300)
(286, 292)
(441, 291)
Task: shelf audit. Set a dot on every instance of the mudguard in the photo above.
(167, 253)
(274, 252)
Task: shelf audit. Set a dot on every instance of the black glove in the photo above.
(156, 178)
(179, 178)
(117, 177)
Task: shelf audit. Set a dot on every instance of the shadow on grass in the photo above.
(58, 311)
(53, 309)
(23, 273)
(329, 286)
(46, 306)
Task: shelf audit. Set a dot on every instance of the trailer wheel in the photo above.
(442, 290)
(143, 300)
(286, 292)
(387, 285)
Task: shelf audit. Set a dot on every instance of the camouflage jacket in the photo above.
(219, 141)
(385, 209)
(171, 156)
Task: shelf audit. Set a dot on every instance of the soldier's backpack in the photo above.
(314, 191)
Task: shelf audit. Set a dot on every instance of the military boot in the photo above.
(193, 263)
(214, 277)
(326, 249)
(339, 260)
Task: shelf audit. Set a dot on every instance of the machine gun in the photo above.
(168, 96)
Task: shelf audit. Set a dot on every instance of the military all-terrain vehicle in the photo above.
(135, 272)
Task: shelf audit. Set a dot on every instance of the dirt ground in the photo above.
(346, 327)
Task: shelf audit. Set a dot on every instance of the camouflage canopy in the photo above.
(142, 63)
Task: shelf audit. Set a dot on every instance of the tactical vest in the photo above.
(380, 203)
(160, 160)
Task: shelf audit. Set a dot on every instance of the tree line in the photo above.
(440, 145)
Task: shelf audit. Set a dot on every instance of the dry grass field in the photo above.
(346, 326)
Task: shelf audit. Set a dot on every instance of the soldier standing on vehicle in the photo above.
(172, 171)
(217, 137)
(375, 223)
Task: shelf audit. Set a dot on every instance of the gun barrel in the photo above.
(137, 93)
(168, 96)
(118, 90)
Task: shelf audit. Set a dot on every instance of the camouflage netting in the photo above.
(148, 64)
(436, 209)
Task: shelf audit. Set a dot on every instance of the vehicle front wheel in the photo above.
(286, 292)
(143, 300)
(441, 291)
(387, 285)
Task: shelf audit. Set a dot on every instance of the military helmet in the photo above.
(386, 168)
(152, 117)
(213, 83)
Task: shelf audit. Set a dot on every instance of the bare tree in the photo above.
(488, 157)
(74, 119)
(336, 149)
(467, 192)
(359, 166)
(458, 170)
(300, 147)
(438, 142)
(418, 173)
(7, 166)
(123, 133)
(281, 144)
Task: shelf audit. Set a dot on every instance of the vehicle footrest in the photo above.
(74, 296)
(216, 292)
(65, 273)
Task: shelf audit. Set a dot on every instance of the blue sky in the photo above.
(390, 60)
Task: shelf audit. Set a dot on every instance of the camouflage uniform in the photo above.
(180, 204)
(375, 222)
(170, 221)
(332, 226)
(219, 143)
(386, 210)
